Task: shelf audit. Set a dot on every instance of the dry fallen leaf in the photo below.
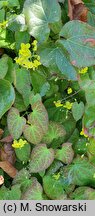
(7, 153)
(7, 139)
(77, 10)
(8, 168)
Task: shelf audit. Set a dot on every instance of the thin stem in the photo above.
(71, 95)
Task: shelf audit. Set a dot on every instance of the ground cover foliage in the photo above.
(47, 100)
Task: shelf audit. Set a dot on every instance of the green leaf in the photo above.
(77, 110)
(17, 23)
(41, 158)
(23, 153)
(91, 18)
(78, 37)
(90, 94)
(21, 37)
(3, 66)
(44, 89)
(53, 188)
(19, 102)
(83, 193)
(2, 14)
(54, 57)
(65, 154)
(91, 146)
(33, 133)
(89, 117)
(55, 130)
(81, 146)
(38, 80)
(3, 193)
(54, 167)
(14, 193)
(90, 4)
(10, 75)
(13, 3)
(22, 83)
(80, 172)
(39, 14)
(38, 121)
(34, 191)
(22, 178)
(7, 96)
(15, 123)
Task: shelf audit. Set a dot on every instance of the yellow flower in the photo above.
(24, 51)
(58, 103)
(25, 57)
(68, 105)
(56, 176)
(25, 46)
(19, 60)
(83, 70)
(3, 24)
(36, 63)
(82, 133)
(19, 144)
(34, 44)
(69, 90)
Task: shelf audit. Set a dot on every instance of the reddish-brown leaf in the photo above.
(7, 153)
(77, 10)
(8, 168)
(7, 139)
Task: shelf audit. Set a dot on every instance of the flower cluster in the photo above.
(19, 144)
(67, 105)
(82, 133)
(83, 70)
(26, 58)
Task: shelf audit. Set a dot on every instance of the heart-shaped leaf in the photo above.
(53, 188)
(34, 191)
(65, 154)
(79, 39)
(22, 83)
(81, 172)
(7, 96)
(55, 130)
(54, 57)
(23, 153)
(14, 193)
(41, 158)
(77, 110)
(83, 193)
(38, 17)
(38, 121)
(15, 123)
(22, 179)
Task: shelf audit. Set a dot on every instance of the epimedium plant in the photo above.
(47, 101)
